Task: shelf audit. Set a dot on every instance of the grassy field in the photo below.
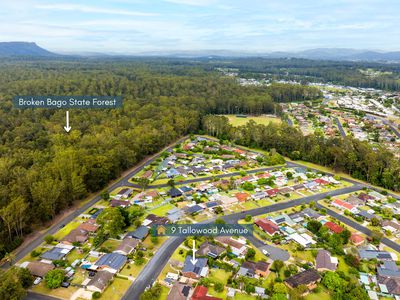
(162, 210)
(117, 289)
(264, 120)
(219, 275)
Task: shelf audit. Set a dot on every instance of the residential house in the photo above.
(344, 206)
(58, 252)
(272, 192)
(208, 249)
(100, 281)
(175, 214)
(355, 201)
(200, 293)
(333, 227)
(376, 254)
(125, 193)
(127, 246)
(139, 233)
(39, 269)
(309, 278)
(238, 247)
(196, 270)
(325, 261)
(250, 269)
(76, 235)
(148, 174)
(365, 197)
(303, 239)
(179, 291)
(111, 262)
(174, 192)
(242, 197)
(267, 226)
(367, 215)
(357, 239)
(393, 224)
(119, 203)
(192, 209)
(226, 201)
(152, 219)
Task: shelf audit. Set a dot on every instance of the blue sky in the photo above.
(135, 26)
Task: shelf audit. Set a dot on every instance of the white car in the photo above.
(266, 253)
(37, 280)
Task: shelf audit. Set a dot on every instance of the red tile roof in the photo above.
(343, 204)
(200, 293)
(334, 227)
(356, 239)
(272, 192)
(321, 181)
(267, 226)
(242, 197)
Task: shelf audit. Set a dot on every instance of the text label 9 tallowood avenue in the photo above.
(67, 102)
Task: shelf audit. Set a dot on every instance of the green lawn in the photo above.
(111, 245)
(63, 293)
(162, 210)
(264, 120)
(323, 295)
(65, 230)
(132, 269)
(74, 255)
(219, 275)
(240, 296)
(116, 290)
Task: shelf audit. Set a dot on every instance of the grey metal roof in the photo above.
(195, 268)
(113, 260)
(54, 254)
(369, 254)
(140, 233)
(194, 209)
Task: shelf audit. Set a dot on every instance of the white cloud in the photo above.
(93, 9)
(191, 2)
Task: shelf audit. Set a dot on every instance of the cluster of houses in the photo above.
(386, 281)
(292, 227)
(218, 196)
(372, 127)
(308, 119)
(201, 156)
(100, 267)
(363, 204)
(184, 284)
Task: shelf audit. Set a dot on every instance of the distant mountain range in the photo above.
(15, 49)
(23, 49)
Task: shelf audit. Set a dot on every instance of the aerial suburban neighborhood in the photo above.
(199, 150)
(297, 240)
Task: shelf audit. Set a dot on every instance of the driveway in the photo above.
(275, 252)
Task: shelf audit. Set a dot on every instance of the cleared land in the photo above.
(264, 120)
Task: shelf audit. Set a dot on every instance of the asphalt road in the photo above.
(342, 132)
(275, 253)
(53, 229)
(35, 296)
(153, 268)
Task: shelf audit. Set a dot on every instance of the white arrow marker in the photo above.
(67, 128)
(194, 260)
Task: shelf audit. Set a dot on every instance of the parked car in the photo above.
(266, 253)
(37, 280)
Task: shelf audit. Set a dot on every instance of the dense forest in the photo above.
(357, 158)
(44, 170)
